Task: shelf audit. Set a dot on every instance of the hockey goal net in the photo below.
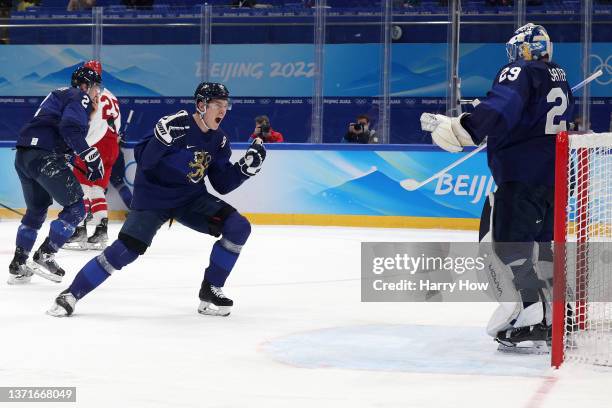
(582, 299)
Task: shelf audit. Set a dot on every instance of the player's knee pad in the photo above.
(116, 256)
(133, 244)
(34, 219)
(216, 223)
(235, 232)
(73, 214)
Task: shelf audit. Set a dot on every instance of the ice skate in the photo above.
(526, 340)
(19, 271)
(45, 265)
(63, 305)
(78, 240)
(529, 333)
(213, 301)
(99, 239)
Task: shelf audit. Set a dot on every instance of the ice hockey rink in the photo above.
(298, 336)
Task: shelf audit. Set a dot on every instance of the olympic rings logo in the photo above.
(605, 66)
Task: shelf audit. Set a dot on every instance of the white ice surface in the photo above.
(298, 336)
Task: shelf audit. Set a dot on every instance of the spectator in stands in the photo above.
(264, 130)
(26, 4)
(406, 3)
(360, 132)
(75, 5)
(144, 4)
(244, 3)
(5, 12)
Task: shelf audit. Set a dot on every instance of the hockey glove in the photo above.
(254, 157)
(170, 128)
(446, 132)
(93, 161)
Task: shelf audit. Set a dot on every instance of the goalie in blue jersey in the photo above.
(169, 184)
(529, 103)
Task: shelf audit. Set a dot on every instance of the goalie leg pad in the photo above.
(498, 274)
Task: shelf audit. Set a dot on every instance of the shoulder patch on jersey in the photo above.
(223, 142)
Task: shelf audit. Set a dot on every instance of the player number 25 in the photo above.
(554, 96)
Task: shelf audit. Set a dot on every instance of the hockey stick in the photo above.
(11, 209)
(127, 125)
(411, 184)
(592, 77)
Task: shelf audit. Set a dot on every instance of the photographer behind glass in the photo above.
(360, 132)
(264, 131)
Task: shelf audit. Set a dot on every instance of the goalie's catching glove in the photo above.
(446, 132)
(254, 157)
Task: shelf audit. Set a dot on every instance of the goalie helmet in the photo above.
(530, 42)
(211, 90)
(84, 75)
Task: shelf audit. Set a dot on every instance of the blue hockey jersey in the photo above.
(171, 176)
(60, 123)
(529, 103)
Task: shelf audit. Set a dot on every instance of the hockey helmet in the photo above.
(212, 90)
(95, 65)
(530, 42)
(84, 75)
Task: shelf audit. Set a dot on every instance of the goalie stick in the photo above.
(412, 184)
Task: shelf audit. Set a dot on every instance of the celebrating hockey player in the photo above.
(104, 135)
(169, 184)
(60, 124)
(530, 102)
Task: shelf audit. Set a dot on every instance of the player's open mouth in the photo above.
(218, 120)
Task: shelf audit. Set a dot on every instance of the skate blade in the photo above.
(76, 246)
(525, 347)
(24, 277)
(43, 273)
(207, 308)
(96, 246)
(57, 311)
(18, 279)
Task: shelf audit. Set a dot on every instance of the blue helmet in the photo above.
(530, 42)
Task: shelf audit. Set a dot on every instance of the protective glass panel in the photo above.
(39, 50)
(419, 75)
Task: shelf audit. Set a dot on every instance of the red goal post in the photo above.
(582, 292)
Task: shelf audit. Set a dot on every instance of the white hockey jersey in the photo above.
(107, 118)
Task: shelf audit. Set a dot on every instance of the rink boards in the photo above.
(335, 184)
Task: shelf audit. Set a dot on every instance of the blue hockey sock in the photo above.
(88, 278)
(97, 270)
(28, 230)
(221, 263)
(225, 252)
(26, 237)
